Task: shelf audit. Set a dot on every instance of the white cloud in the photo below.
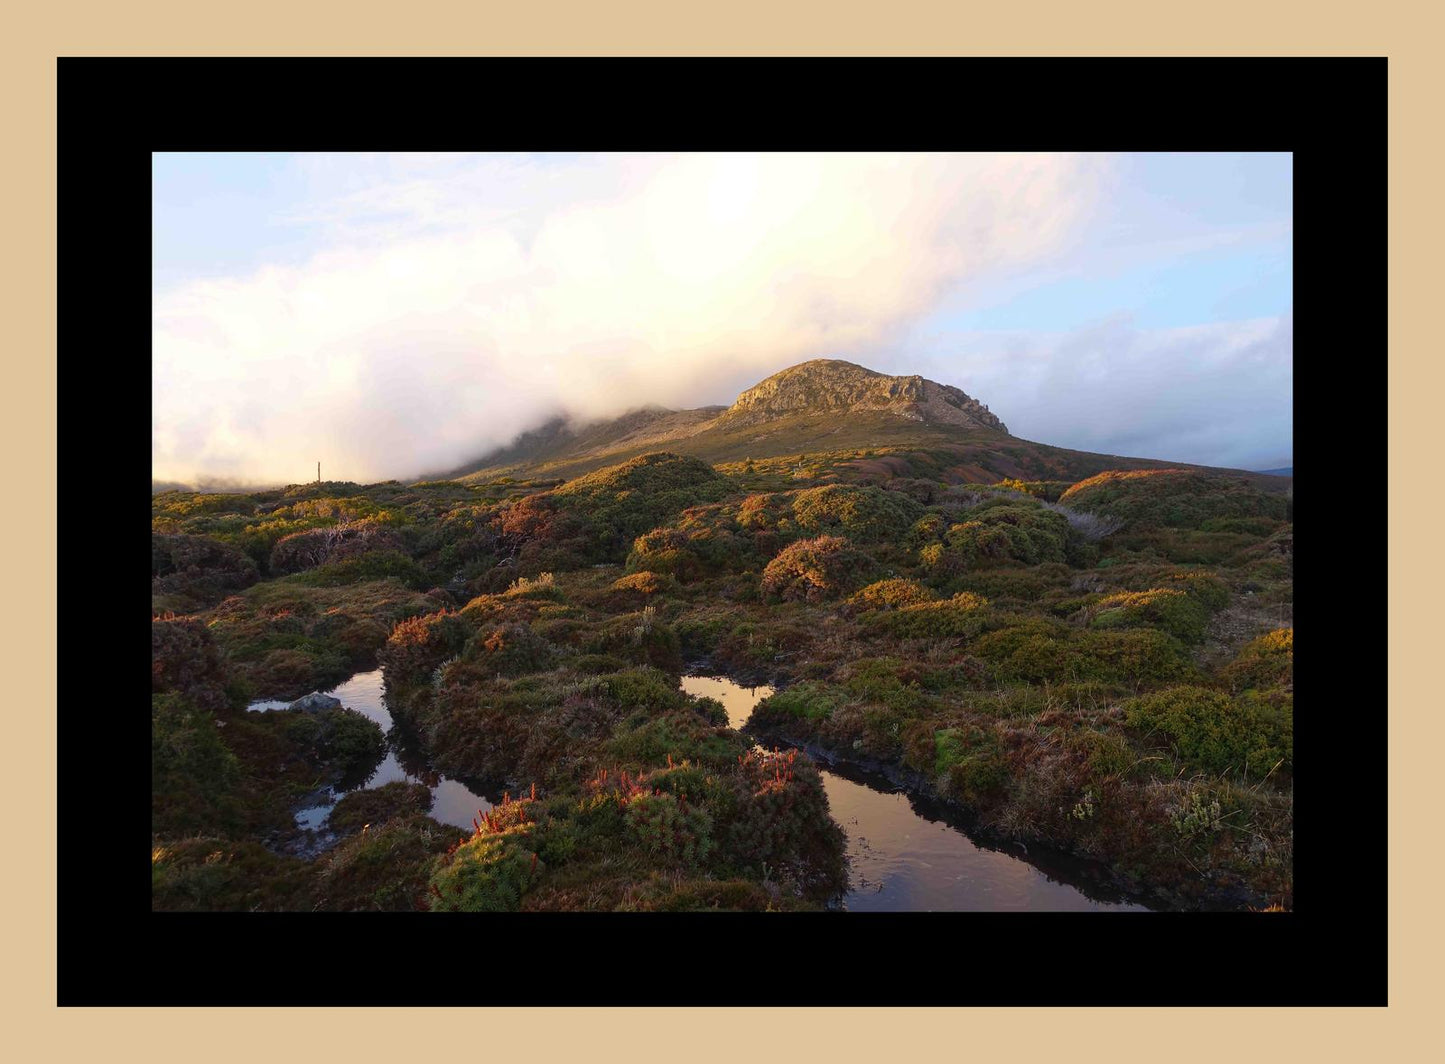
(461, 300)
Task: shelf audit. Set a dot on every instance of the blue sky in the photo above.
(1211, 285)
(404, 312)
(219, 214)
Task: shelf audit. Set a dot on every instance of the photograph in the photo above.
(755, 531)
(721, 555)
(725, 535)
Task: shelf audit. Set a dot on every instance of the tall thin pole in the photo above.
(318, 472)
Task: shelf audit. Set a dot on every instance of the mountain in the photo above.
(833, 387)
(873, 424)
(1286, 471)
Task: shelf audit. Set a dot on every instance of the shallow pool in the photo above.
(908, 853)
(453, 802)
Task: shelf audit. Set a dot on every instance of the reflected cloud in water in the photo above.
(453, 802)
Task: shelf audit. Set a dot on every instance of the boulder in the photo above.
(315, 702)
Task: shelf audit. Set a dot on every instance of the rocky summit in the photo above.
(835, 386)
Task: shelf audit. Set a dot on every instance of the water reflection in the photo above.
(909, 854)
(736, 699)
(453, 802)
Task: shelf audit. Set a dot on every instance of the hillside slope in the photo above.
(867, 425)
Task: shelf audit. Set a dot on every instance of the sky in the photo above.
(394, 315)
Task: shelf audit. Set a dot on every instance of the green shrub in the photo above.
(543, 587)
(710, 710)
(1167, 609)
(1106, 756)
(962, 616)
(879, 680)
(891, 594)
(605, 511)
(209, 874)
(1174, 498)
(193, 773)
(1047, 490)
(197, 569)
(644, 583)
(1022, 586)
(802, 701)
(1039, 651)
(860, 514)
(1030, 652)
(929, 528)
(190, 503)
(299, 551)
(644, 688)
(385, 868)
(703, 541)
(1209, 731)
(667, 826)
(342, 738)
(510, 650)
(1135, 657)
(665, 551)
(417, 646)
(647, 739)
(781, 820)
(185, 660)
(639, 638)
(487, 873)
(1202, 585)
(596, 664)
(999, 533)
(1246, 526)
(374, 565)
(814, 569)
(968, 765)
(1188, 546)
(353, 739)
(1264, 662)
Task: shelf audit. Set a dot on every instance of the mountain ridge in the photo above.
(792, 411)
(855, 416)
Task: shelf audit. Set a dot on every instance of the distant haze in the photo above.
(389, 315)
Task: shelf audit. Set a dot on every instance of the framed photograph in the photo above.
(839, 508)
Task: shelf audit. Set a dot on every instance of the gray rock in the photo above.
(315, 702)
(836, 386)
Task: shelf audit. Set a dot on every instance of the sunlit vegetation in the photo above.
(1178, 498)
(1264, 663)
(1048, 490)
(892, 594)
(998, 532)
(1103, 667)
(814, 569)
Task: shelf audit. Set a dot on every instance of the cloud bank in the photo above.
(460, 301)
(1218, 394)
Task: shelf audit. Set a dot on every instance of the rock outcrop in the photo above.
(832, 386)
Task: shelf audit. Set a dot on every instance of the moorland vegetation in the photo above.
(1107, 671)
